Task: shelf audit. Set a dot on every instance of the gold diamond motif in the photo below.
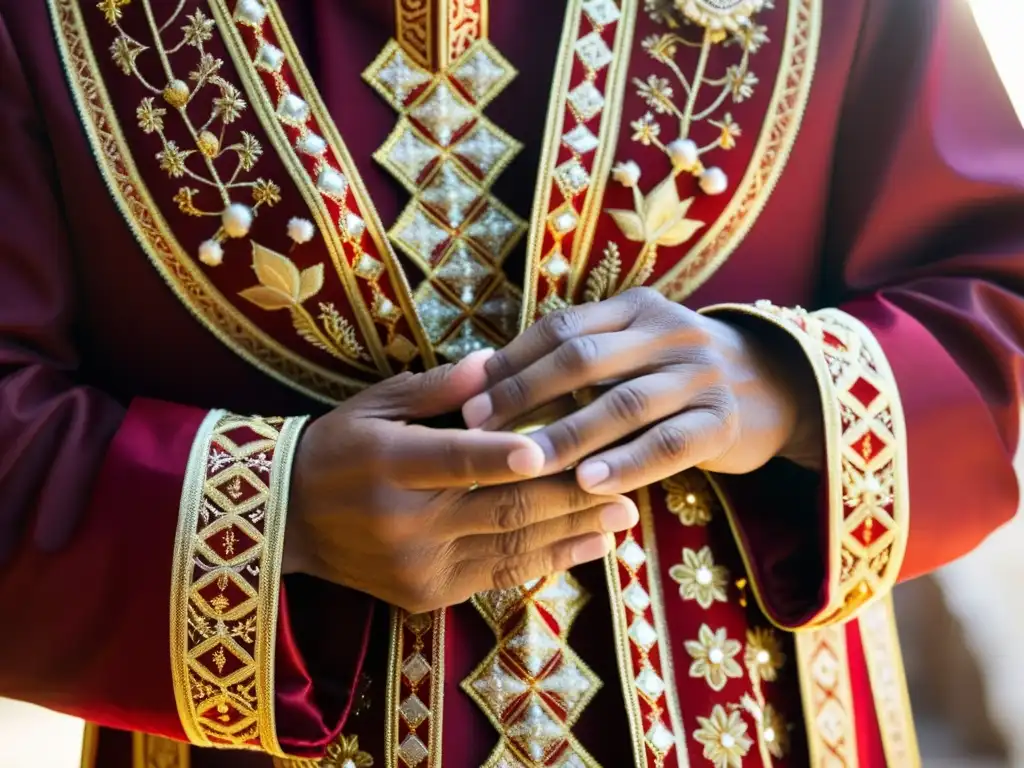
(463, 273)
(450, 193)
(465, 341)
(443, 113)
(483, 72)
(414, 711)
(412, 751)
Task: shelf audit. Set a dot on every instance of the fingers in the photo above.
(435, 392)
(578, 363)
(510, 508)
(615, 415)
(692, 438)
(607, 518)
(421, 458)
(508, 572)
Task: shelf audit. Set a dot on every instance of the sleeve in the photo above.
(133, 535)
(918, 345)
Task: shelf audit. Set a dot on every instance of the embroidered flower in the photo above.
(645, 130)
(150, 116)
(662, 12)
(229, 105)
(774, 732)
(691, 508)
(659, 219)
(205, 69)
(657, 92)
(172, 159)
(111, 9)
(183, 197)
(124, 51)
(750, 37)
(345, 753)
(249, 151)
(724, 736)
(741, 82)
(730, 130)
(699, 578)
(714, 657)
(198, 30)
(717, 15)
(266, 192)
(764, 656)
(660, 47)
(627, 173)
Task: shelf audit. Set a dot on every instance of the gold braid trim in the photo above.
(866, 454)
(226, 579)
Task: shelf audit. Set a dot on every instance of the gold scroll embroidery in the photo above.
(866, 453)
(226, 577)
(435, 33)
(447, 154)
(343, 752)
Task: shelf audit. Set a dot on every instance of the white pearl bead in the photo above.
(763, 657)
(300, 230)
(211, 253)
(683, 153)
(713, 181)
(727, 740)
(704, 575)
(716, 656)
(237, 219)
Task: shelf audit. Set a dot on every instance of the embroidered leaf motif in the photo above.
(341, 331)
(310, 282)
(630, 223)
(305, 326)
(660, 219)
(604, 277)
(276, 271)
(266, 298)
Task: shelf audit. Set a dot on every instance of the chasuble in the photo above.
(218, 208)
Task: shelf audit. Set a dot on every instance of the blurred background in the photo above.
(962, 629)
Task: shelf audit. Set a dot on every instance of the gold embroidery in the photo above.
(343, 752)
(764, 656)
(724, 736)
(699, 578)
(569, 191)
(225, 584)
(889, 684)
(777, 137)
(825, 690)
(448, 155)
(687, 498)
(532, 686)
(150, 751)
(414, 29)
(866, 453)
(151, 230)
(415, 699)
(713, 654)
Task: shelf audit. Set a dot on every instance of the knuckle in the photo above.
(513, 392)
(513, 543)
(628, 403)
(498, 367)
(510, 513)
(455, 459)
(561, 326)
(509, 573)
(643, 296)
(579, 354)
(565, 437)
(672, 442)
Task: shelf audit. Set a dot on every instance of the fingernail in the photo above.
(481, 355)
(593, 548)
(477, 410)
(592, 473)
(619, 517)
(528, 462)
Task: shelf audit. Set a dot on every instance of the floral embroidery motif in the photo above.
(699, 578)
(764, 654)
(687, 498)
(775, 733)
(661, 212)
(343, 752)
(724, 736)
(713, 655)
(447, 154)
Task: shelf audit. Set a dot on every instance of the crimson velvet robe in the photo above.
(901, 204)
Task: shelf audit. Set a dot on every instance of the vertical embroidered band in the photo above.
(226, 579)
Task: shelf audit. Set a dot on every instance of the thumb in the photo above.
(435, 392)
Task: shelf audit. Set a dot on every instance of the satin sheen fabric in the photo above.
(902, 204)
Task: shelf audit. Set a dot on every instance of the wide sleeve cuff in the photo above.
(226, 580)
(856, 513)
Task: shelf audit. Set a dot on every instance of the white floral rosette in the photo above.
(720, 15)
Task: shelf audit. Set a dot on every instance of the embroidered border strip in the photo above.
(226, 579)
(866, 453)
(827, 697)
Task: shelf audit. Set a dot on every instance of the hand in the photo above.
(385, 507)
(700, 392)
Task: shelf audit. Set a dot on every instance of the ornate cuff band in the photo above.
(868, 511)
(226, 580)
